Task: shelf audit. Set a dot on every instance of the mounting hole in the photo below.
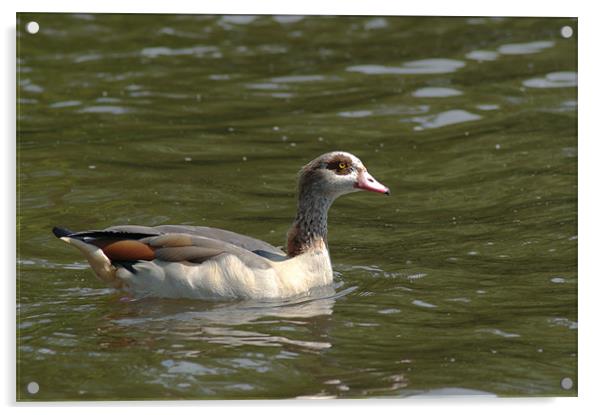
(33, 388)
(566, 383)
(32, 28)
(566, 32)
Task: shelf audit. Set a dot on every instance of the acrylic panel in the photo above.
(462, 282)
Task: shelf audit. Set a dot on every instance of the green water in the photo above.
(464, 281)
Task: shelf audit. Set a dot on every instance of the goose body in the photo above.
(177, 261)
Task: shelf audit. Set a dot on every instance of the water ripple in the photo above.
(376, 23)
(286, 19)
(525, 48)
(499, 332)
(436, 92)
(299, 78)
(63, 104)
(482, 55)
(424, 304)
(553, 80)
(488, 107)
(389, 110)
(266, 86)
(105, 109)
(356, 114)
(564, 322)
(444, 118)
(238, 19)
(199, 51)
(424, 66)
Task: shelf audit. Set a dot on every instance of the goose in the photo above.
(197, 262)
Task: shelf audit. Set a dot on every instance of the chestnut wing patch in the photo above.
(125, 250)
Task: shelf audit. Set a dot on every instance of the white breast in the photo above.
(227, 277)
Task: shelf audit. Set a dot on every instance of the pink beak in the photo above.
(365, 181)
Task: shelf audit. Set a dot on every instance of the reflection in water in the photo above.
(26, 101)
(498, 332)
(319, 302)
(424, 304)
(219, 77)
(223, 322)
(288, 19)
(238, 19)
(105, 100)
(241, 338)
(83, 16)
(443, 392)
(200, 51)
(487, 107)
(356, 114)
(425, 66)
(28, 86)
(299, 78)
(434, 92)
(445, 118)
(105, 109)
(266, 86)
(376, 23)
(385, 111)
(482, 55)
(564, 322)
(525, 48)
(484, 20)
(553, 80)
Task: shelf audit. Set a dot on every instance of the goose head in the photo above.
(321, 181)
(337, 173)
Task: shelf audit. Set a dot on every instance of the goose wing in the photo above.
(242, 241)
(175, 243)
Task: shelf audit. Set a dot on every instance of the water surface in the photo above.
(463, 282)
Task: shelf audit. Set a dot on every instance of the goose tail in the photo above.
(102, 266)
(61, 232)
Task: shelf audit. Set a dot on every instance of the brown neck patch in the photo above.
(300, 242)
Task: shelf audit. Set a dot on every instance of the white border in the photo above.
(350, 7)
(590, 95)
